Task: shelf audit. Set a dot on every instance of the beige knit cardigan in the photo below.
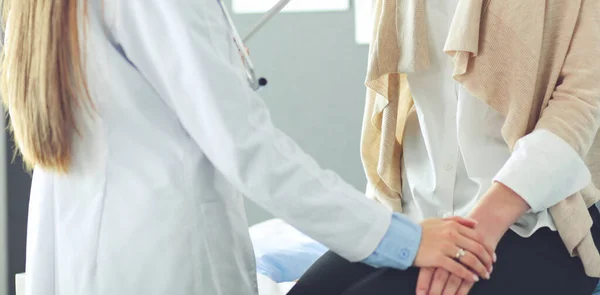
(537, 62)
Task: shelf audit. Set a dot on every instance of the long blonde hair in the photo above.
(43, 78)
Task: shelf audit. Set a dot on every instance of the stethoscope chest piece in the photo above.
(255, 83)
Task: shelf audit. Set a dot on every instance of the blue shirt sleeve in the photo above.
(399, 246)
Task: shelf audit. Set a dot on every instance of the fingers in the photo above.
(470, 223)
(424, 280)
(464, 288)
(473, 235)
(458, 269)
(474, 264)
(477, 249)
(440, 277)
(452, 286)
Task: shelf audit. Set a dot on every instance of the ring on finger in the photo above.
(460, 254)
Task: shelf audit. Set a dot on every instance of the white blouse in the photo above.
(454, 150)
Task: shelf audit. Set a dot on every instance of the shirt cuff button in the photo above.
(404, 253)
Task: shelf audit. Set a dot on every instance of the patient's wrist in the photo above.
(497, 211)
(491, 228)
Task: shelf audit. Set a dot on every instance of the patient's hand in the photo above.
(499, 208)
(437, 281)
(443, 240)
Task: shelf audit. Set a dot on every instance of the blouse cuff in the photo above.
(544, 170)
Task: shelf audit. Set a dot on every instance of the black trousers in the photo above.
(536, 265)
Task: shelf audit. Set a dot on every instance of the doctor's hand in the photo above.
(452, 244)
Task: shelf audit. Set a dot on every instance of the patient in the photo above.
(485, 109)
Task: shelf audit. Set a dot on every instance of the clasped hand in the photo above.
(452, 257)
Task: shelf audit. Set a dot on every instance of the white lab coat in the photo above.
(153, 203)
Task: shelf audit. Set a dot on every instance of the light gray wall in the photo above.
(3, 211)
(315, 93)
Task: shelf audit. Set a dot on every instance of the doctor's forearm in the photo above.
(497, 211)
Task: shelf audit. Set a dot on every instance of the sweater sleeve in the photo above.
(573, 112)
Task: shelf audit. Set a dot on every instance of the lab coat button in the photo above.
(448, 167)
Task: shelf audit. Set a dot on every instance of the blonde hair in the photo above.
(43, 79)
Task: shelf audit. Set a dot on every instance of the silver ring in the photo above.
(460, 254)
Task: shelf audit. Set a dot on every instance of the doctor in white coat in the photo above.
(145, 134)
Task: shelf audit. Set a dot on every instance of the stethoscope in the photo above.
(256, 82)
